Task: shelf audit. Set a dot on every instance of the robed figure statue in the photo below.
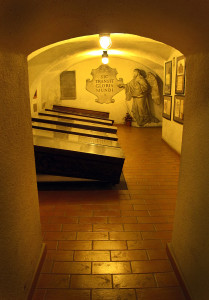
(140, 90)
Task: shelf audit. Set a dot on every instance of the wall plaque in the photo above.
(104, 84)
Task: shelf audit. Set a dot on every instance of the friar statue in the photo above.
(140, 90)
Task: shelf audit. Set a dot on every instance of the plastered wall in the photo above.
(47, 84)
(190, 242)
(49, 87)
(20, 234)
(171, 130)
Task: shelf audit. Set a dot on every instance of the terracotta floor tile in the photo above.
(139, 227)
(53, 213)
(72, 268)
(156, 235)
(150, 266)
(77, 227)
(39, 294)
(128, 255)
(126, 206)
(161, 212)
(61, 236)
(152, 197)
(93, 220)
(79, 213)
(92, 256)
(91, 281)
(113, 294)
(157, 254)
(165, 242)
(59, 255)
(70, 207)
(139, 207)
(162, 206)
(109, 245)
(51, 245)
(47, 266)
(64, 294)
(166, 279)
(169, 293)
(111, 267)
(133, 281)
(148, 244)
(107, 227)
(92, 236)
(99, 207)
(107, 213)
(152, 220)
(117, 236)
(151, 192)
(137, 201)
(135, 213)
(164, 227)
(62, 220)
(51, 227)
(125, 220)
(53, 281)
(75, 245)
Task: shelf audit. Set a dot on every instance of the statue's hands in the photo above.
(121, 85)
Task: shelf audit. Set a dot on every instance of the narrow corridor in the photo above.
(110, 244)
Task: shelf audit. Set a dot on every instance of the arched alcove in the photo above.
(82, 55)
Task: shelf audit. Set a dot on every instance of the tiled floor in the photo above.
(111, 244)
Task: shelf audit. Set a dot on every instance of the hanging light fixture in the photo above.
(105, 40)
(105, 58)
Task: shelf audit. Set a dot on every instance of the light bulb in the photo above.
(105, 41)
(105, 60)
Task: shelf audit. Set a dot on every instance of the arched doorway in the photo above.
(35, 27)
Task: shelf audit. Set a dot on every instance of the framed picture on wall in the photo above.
(168, 78)
(180, 75)
(178, 111)
(167, 107)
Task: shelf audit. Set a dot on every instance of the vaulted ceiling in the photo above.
(145, 51)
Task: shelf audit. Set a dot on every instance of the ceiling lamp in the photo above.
(105, 40)
(105, 58)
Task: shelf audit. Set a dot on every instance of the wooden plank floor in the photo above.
(111, 244)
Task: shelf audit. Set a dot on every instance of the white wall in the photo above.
(171, 130)
(49, 89)
(47, 83)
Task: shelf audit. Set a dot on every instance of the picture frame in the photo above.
(167, 107)
(178, 111)
(180, 75)
(168, 78)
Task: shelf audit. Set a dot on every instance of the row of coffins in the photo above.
(76, 145)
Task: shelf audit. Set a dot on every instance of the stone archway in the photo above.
(28, 26)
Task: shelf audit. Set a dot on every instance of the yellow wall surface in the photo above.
(20, 231)
(172, 131)
(50, 87)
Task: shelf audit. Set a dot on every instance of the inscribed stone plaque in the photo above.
(68, 85)
(104, 84)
